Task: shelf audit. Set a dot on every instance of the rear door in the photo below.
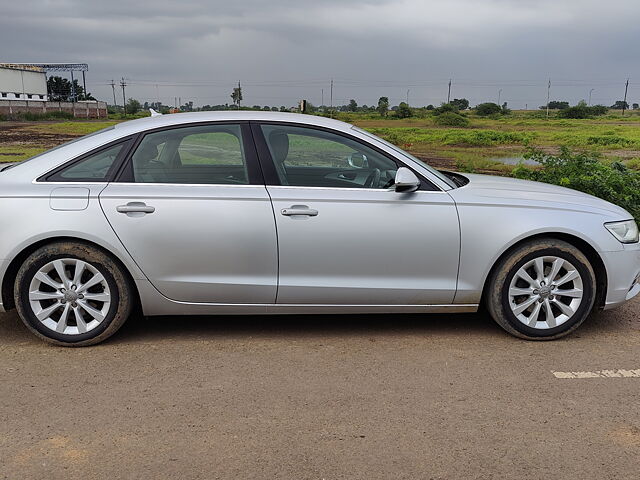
(192, 210)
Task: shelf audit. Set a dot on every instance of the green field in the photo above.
(480, 146)
(485, 140)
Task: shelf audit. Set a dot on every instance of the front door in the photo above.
(194, 214)
(345, 237)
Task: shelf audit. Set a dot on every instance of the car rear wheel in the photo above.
(72, 294)
(542, 290)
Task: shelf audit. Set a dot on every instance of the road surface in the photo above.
(323, 397)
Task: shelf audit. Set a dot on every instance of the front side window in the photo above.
(95, 167)
(207, 154)
(309, 157)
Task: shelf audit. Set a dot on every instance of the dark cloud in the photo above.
(283, 50)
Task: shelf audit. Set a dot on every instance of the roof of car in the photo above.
(148, 123)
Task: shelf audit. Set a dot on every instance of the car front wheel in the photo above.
(72, 294)
(542, 290)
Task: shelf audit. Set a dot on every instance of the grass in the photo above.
(16, 154)
(73, 128)
(479, 146)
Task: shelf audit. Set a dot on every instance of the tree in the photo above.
(383, 106)
(430, 107)
(556, 105)
(620, 104)
(635, 106)
(236, 96)
(60, 90)
(488, 108)
(404, 111)
(353, 105)
(133, 106)
(460, 103)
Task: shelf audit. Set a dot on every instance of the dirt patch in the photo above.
(21, 135)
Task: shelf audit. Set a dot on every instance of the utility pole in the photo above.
(449, 93)
(407, 97)
(548, 93)
(590, 92)
(113, 88)
(84, 85)
(322, 103)
(239, 94)
(73, 88)
(499, 94)
(331, 100)
(624, 102)
(124, 97)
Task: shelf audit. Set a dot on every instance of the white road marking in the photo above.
(599, 374)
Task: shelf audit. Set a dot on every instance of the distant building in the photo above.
(21, 82)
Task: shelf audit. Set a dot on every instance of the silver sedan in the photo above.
(263, 213)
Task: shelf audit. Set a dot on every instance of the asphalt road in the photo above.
(353, 397)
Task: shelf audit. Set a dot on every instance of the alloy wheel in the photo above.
(69, 296)
(545, 292)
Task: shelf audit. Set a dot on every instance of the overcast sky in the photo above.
(284, 50)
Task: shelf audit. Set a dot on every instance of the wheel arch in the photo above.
(8, 280)
(587, 249)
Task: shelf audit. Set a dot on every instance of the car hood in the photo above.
(494, 190)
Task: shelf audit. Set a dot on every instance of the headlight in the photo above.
(625, 232)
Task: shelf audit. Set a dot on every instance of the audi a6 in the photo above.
(275, 213)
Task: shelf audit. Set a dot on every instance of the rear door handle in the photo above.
(299, 210)
(133, 208)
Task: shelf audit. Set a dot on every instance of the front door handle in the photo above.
(299, 210)
(135, 209)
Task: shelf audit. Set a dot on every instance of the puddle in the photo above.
(514, 160)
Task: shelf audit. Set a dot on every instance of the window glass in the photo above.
(315, 158)
(94, 168)
(210, 154)
(438, 174)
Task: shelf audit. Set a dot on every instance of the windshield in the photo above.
(438, 174)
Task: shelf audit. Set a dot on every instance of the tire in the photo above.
(517, 313)
(86, 314)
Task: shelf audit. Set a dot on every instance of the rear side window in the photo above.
(94, 167)
(204, 154)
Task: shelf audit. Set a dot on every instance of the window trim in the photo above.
(271, 175)
(52, 176)
(254, 171)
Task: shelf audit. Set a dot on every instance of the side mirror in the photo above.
(406, 181)
(358, 160)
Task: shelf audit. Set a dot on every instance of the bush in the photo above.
(582, 111)
(451, 119)
(445, 108)
(404, 111)
(36, 117)
(489, 108)
(609, 140)
(613, 182)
